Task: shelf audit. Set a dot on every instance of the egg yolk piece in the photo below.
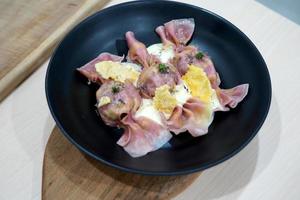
(103, 101)
(198, 84)
(117, 71)
(163, 100)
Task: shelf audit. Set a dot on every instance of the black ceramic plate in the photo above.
(237, 60)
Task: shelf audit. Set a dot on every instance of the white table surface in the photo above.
(268, 168)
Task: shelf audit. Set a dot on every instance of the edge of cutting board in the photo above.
(26, 67)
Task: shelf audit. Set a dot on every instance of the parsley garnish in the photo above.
(115, 89)
(162, 68)
(199, 55)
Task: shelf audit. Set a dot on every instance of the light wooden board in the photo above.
(69, 174)
(29, 29)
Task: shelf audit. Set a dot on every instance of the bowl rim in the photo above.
(139, 171)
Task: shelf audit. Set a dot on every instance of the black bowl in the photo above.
(71, 100)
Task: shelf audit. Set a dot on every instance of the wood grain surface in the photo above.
(69, 174)
(29, 29)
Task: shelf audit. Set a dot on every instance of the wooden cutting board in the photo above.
(29, 29)
(68, 174)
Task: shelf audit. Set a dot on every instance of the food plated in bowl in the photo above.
(167, 87)
(237, 61)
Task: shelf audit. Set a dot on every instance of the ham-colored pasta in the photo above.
(115, 100)
(137, 50)
(142, 135)
(193, 117)
(169, 87)
(155, 76)
(89, 70)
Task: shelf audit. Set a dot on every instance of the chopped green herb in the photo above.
(162, 68)
(115, 89)
(199, 55)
